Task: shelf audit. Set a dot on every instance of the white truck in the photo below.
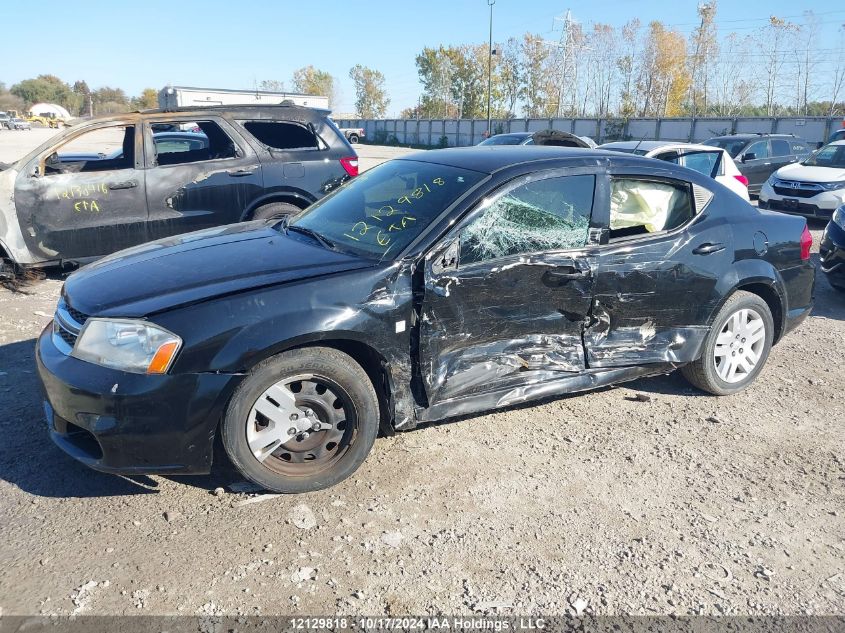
(352, 134)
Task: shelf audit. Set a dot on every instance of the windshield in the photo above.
(504, 139)
(828, 156)
(731, 146)
(384, 209)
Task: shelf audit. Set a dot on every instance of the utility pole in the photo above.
(565, 46)
(490, 3)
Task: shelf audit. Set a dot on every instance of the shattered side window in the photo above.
(543, 215)
(192, 142)
(647, 206)
(281, 135)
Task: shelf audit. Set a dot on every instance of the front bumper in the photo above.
(822, 205)
(832, 254)
(126, 423)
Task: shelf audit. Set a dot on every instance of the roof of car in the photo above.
(492, 158)
(750, 135)
(648, 146)
(198, 110)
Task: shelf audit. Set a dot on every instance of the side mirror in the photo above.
(446, 259)
(748, 156)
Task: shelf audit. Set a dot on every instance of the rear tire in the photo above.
(736, 348)
(269, 427)
(353, 138)
(276, 211)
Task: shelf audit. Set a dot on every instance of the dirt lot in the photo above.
(684, 503)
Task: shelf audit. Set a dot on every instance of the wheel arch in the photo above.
(295, 197)
(373, 362)
(766, 284)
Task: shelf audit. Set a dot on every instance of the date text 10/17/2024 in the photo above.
(422, 623)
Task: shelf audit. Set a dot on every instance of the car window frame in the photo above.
(659, 178)
(752, 144)
(772, 142)
(487, 199)
(243, 150)
(322, 145)
(41, 159)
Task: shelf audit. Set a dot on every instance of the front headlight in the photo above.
(832, 186)
(134, 346)
(773, 179)
(839, 217)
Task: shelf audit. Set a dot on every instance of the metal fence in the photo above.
(459, 132)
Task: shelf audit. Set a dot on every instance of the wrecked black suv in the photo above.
(118, 181)
(440, 284)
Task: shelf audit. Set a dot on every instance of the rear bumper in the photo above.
(126, 423)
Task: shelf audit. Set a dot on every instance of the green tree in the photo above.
(371, 100)
(435, 68)
(312, 81)
(83, 95)
(510, 77)
(535, 64)
(109, 100)
(8, 101)
(147, 100)
(48, 89)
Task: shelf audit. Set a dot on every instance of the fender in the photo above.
(746, 272)
(11, 235)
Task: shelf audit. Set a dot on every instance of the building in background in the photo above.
(180, 96)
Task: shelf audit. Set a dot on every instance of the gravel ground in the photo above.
(680, 504)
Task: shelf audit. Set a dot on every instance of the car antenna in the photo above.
(634, 151)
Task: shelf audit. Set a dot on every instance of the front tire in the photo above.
(737, 347)
(302, 421)
(353, 138)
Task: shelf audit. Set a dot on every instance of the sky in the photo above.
(217, 44)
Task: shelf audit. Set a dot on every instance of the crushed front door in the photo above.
(507, 296)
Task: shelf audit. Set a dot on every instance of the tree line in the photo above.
(78, 99)
(371, 99)
(585, 70)
(636, 70)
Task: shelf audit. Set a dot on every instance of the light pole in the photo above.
(490, 3)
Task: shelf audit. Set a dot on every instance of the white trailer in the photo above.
(171, 97)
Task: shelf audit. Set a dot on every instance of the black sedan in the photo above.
(444, 283)
(832, 250)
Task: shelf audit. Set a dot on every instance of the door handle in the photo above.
(123, 185)
(236, 173)
(707, 248)
(560, 275)
(767, 163)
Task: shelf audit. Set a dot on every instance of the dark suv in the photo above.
(118, 181)
(758, 156)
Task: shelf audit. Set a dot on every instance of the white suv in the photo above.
(813, 187)
(706, 159)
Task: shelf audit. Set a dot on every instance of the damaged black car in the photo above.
(117, 181)
(441, 284)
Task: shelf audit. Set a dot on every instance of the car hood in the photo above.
(194, 267)
(806, 173)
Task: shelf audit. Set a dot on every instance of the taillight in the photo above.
(350, 164)
(741, 179)
(806, 243)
